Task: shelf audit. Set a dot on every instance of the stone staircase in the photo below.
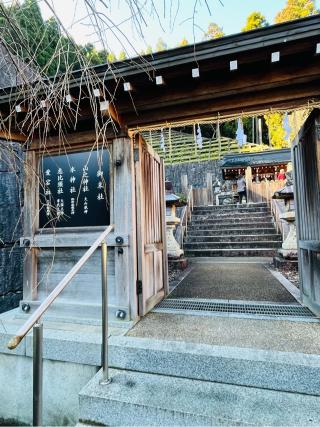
(232, 230)
(166, 383)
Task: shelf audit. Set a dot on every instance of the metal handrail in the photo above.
(33, 319)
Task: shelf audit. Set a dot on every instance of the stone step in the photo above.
(231, 218)
(230, 231)
(240, 252)
(201, 211)
(232, 245)
(134, 398)
(224, 215)
(233, 206)
(225, 225)
(233, 238)
(269, 369)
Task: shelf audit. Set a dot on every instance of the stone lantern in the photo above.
(289, 247)
(172, 202)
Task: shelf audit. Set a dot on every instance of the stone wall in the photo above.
(196, 172)
(11, 256)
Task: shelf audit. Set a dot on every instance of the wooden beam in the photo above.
(13, 136)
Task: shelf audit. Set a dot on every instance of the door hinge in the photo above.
(139, 287)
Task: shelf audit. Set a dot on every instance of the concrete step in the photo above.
(230, 224)
(233, 238)
(268, 369)
(230, 231)
(139, 399)
(232, 245)
(240, 252)
(232, 218)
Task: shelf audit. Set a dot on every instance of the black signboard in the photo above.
(74, 190)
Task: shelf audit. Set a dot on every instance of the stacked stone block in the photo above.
(196, 172)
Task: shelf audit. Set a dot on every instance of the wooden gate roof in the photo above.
(256, 84)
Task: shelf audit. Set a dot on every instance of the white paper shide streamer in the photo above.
(241, 137)
(286, 127)
(199, 140)
(162, 144)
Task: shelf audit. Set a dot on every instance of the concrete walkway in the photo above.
(245, 281)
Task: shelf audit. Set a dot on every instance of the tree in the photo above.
(276, 131)
(148, 50)
(295, 9)
(161, 45)
(214, 32)
(92, 55)
(122, 55)
(255, 20)
(36, 40)
(111, 57)
(184, 42)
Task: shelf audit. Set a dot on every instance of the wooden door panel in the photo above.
(152, 258)
(307, 199)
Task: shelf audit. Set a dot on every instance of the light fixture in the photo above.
(195, 73)
(127, 86)
(233, 65)
(104, 106)
(69, 98)
(159, 80)
(275, 57)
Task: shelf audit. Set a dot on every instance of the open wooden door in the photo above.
(306, 157)
(152, 284)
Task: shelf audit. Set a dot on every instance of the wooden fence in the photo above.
(257, 192)
(263, 191)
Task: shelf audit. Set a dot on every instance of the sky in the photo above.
(230, 15)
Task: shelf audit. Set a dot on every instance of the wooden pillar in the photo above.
(124, 220)
(30, 225)
(248, 177)
(209, 189)
(184, 184)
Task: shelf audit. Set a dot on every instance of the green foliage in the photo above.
(36, 40)
(93, 56)
(255, 20)
(122, 55)
(276, 131)
(161, 45)
(295, 9)
(214, 32)
(111, 57)
(149, 50)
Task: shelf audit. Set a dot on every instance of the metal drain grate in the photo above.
(239, 308)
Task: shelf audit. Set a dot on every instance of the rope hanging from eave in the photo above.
(310, 105)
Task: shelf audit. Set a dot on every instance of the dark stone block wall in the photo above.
(11, 201)
(197, 173)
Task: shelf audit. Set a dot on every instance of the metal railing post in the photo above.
(37, 373)
(104, 279)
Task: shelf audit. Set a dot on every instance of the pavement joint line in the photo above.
(236, 315)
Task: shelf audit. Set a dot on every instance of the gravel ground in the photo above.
(291, 274)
